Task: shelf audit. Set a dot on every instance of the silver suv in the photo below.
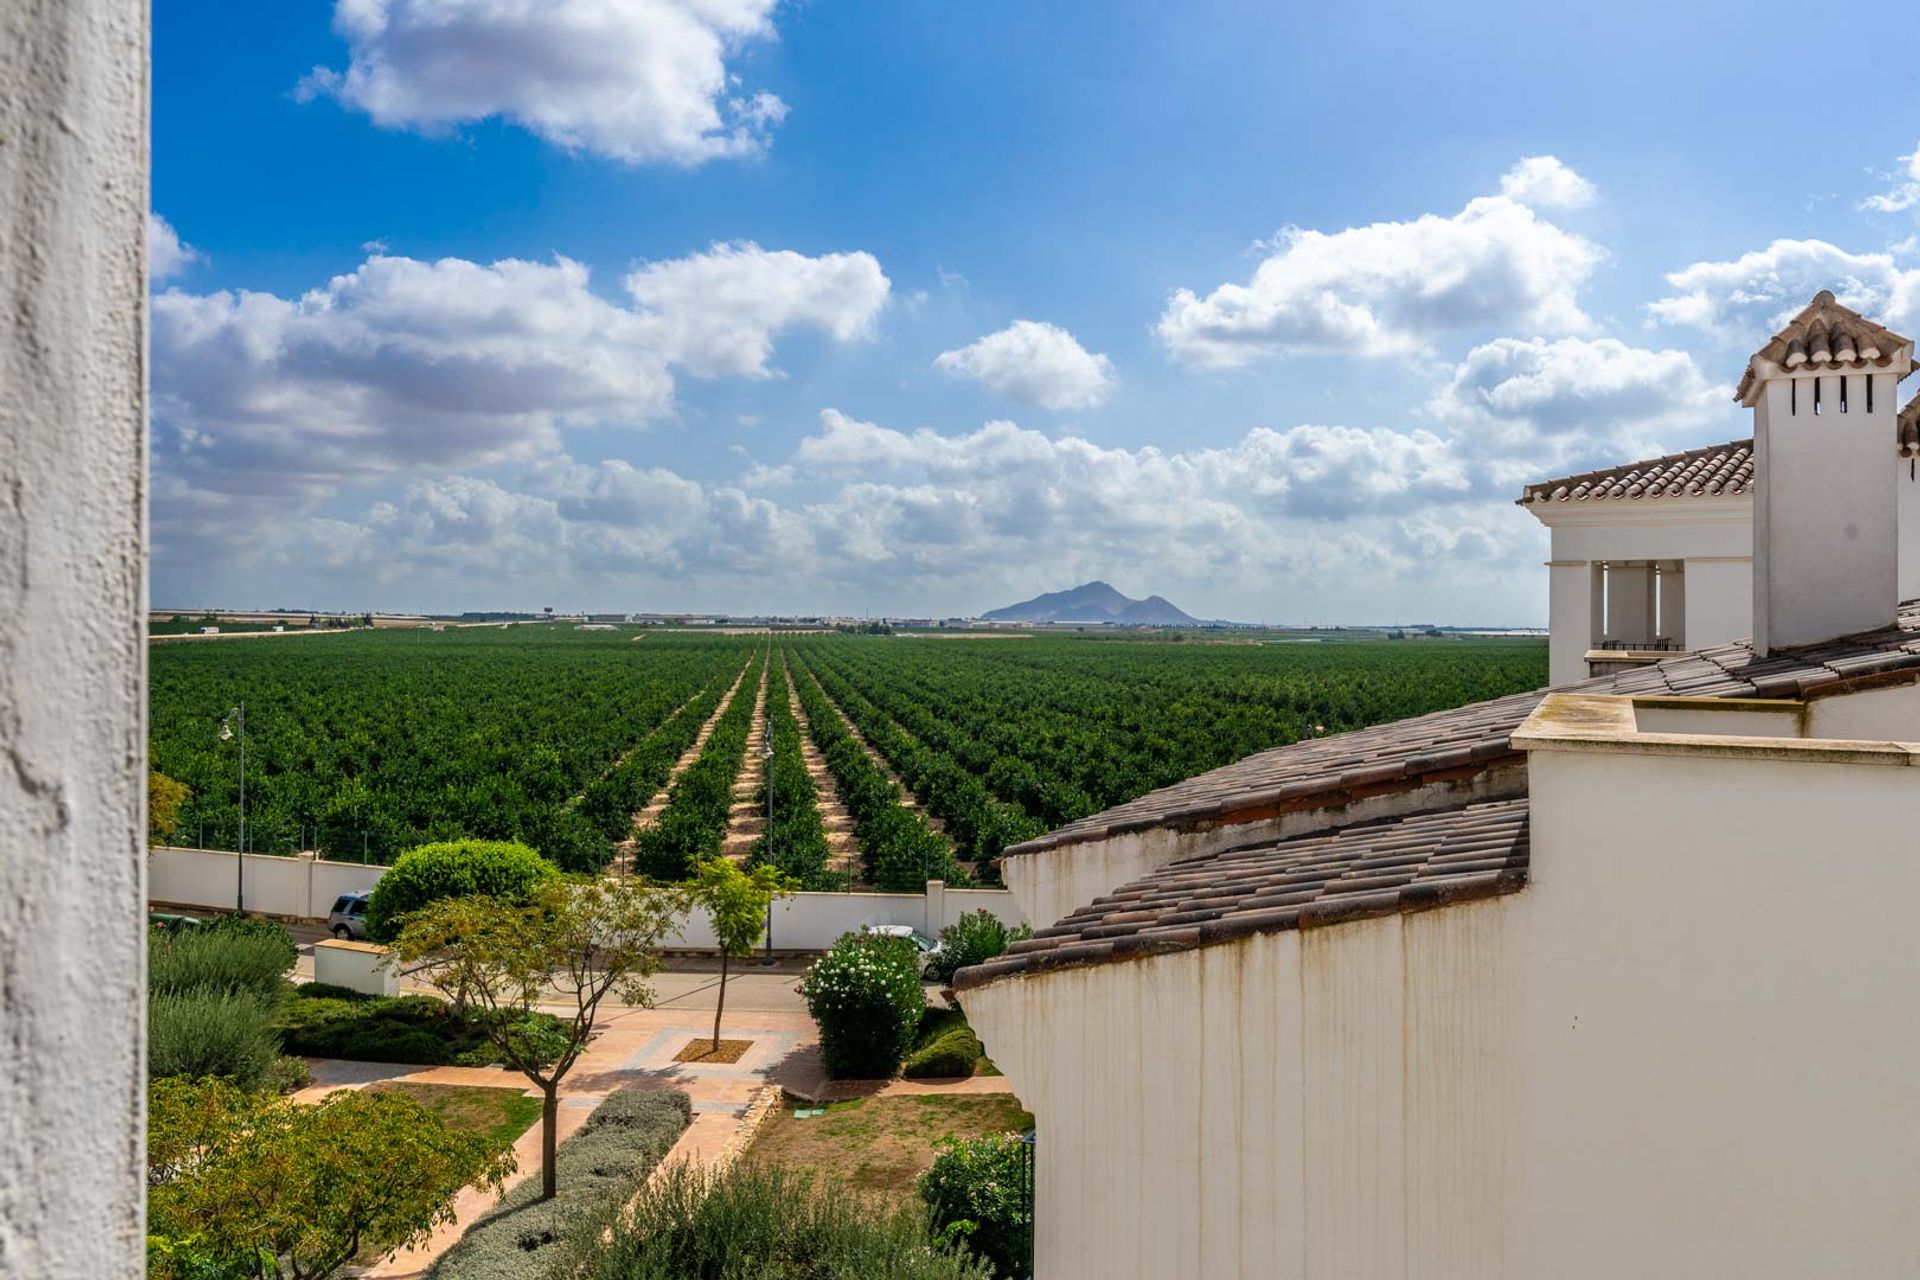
(348, 919)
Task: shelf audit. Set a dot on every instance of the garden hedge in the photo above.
(599, 1169)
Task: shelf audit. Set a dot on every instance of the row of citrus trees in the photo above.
(980, 823)
(795, 840)
(1006, 739)
(899, 852)
(367, 743)
(611, 800)
(693, 826)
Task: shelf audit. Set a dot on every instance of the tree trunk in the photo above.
(549, 1124)
(721, 1004)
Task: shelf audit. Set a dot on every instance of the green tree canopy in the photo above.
(255, 1185)
(454, 869)
(736, 904)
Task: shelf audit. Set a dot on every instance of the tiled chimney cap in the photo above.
(1909, 429)
(1827, 337)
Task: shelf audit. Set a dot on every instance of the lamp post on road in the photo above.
(766, 764)
(238, 717)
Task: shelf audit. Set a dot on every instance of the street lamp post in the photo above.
(766, 763)
(238, 717)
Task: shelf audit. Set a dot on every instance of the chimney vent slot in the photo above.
(1816, 397)
(1843, 393)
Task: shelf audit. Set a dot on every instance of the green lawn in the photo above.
(502, 1115)
(881, 1145)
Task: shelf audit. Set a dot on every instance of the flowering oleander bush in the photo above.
(975, 938)
(866, 998)
(977, 1195)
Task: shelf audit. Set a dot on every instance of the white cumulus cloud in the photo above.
(167, 254)
(719, 310)
(1544, 182)
(1524, 408)
(1389, 288)
(639, 81)
(406, 366)
(1745, 299)
(1035, 363)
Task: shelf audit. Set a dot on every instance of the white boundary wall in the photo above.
(304, 887)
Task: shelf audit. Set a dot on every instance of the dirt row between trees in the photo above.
(748, 819)
(646, 817)
(833, 812)
(908, 800)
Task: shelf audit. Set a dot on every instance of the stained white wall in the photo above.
(1328, 1104)
(1685, 1049)
(73, 208)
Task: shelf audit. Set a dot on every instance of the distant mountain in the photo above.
(1094, 602)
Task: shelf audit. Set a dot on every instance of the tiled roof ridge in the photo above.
(1714, 470)
(1396, 756)
(1825, 335)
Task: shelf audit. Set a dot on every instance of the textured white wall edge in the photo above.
(73, 207)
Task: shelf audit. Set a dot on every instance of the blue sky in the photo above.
(737, 304)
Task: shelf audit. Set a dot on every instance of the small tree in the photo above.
(165, 798)
(736, 903)
(580, 939)
(246, 1184)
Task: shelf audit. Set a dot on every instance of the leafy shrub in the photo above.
(866, 998)
(200, 1034)
(220, 959)
(454, 869)
(976, 1194)
(599, 1169)
(767, 1223)
(323, 1021)
(975, 938)
(949, 1055)
(288, 1074)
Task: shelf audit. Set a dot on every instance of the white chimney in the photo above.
(1826, 543)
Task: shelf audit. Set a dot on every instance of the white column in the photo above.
(1673, 602)
(1629, 603)
(1719, 600)
(1572, 618)
(73, 426)
(1907, 479)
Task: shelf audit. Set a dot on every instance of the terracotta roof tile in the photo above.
(1320, 771)
(1827, 336)
(1718, 470)
(1367, 869)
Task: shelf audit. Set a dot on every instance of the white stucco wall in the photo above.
(1711, 538)
(73, 206)
(1685, 1049)
(305, 888)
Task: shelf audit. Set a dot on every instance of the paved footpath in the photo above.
(635, 1048)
